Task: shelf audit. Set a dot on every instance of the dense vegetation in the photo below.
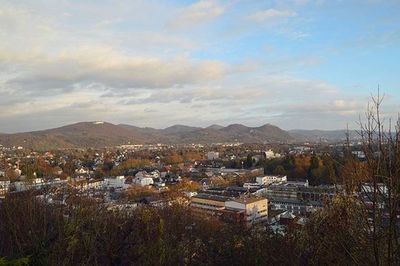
(318, 169)
(85, 233)
(89, 234)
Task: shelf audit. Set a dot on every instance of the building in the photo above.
(252, 185)
(144, 181)
(212, 155)
(35, 183)
(84, 185)
(295, 206)
(255, 209)
(4, 186)
(143, 178)
(281, 191)
(270, 154)
(116, 182)
(209, 202)
(240, 210)
(269, 179)
(297, 198)
(82, 171)
(208, 205)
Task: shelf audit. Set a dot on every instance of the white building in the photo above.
(270, 154)
(190, 194)
(144, 181)
(82, 171)
(142, 178)
(212, 155)
(35, 183)
(256, 209)
(116, 182)
(269, 179)
(96, 184)
(295, 206)
(251, 185)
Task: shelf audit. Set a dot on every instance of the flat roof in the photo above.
(248, 200)
(212, 197)
(294, 201)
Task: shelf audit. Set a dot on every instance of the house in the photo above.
(82, 171)
(144, 181)
(142, 178)
(287, 218)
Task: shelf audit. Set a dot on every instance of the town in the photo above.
(233, 182)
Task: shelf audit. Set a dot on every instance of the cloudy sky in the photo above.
(293, 63)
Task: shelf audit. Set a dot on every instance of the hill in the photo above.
(214, 126)
(103, 134)
(83, 135)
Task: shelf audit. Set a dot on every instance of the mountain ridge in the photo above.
(98, 134)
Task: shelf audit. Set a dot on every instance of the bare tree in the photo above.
(380, 196)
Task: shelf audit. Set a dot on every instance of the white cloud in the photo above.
(269, 15)
(199, 12)
(110, 67)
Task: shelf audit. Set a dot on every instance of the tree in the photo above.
(249, 161)
(368, 213)
(381, 198)
(336, 235)
(279, 170)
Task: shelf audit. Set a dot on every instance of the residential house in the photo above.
(143, 178)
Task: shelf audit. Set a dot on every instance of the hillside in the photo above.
(103, 134)
(85, 134)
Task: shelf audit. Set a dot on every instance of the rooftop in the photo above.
(212, 197)
(248, 200)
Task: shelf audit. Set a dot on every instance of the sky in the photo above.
(297, 64)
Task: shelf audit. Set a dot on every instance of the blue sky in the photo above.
(293, 63)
